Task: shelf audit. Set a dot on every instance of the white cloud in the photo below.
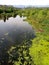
(24, 2)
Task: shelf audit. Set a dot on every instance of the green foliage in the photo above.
(40, 51)
(19, 55)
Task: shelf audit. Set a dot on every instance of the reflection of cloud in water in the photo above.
(16, 28)
(17, 18)
(14, 31)
(6, 33)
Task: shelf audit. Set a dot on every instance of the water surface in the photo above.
(13, 32)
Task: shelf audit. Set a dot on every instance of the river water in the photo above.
(13, 32)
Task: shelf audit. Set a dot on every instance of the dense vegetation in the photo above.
(39, 19)
(38, 52)
(8, 11)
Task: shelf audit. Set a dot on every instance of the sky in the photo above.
(24, 2)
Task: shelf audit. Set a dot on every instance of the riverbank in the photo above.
(40, 44)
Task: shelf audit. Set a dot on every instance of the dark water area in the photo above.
(13, 32)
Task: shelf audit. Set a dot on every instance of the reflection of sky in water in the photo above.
(14, 30)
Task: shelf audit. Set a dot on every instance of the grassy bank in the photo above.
(40, 45)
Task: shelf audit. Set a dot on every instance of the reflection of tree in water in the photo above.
(5, 16)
